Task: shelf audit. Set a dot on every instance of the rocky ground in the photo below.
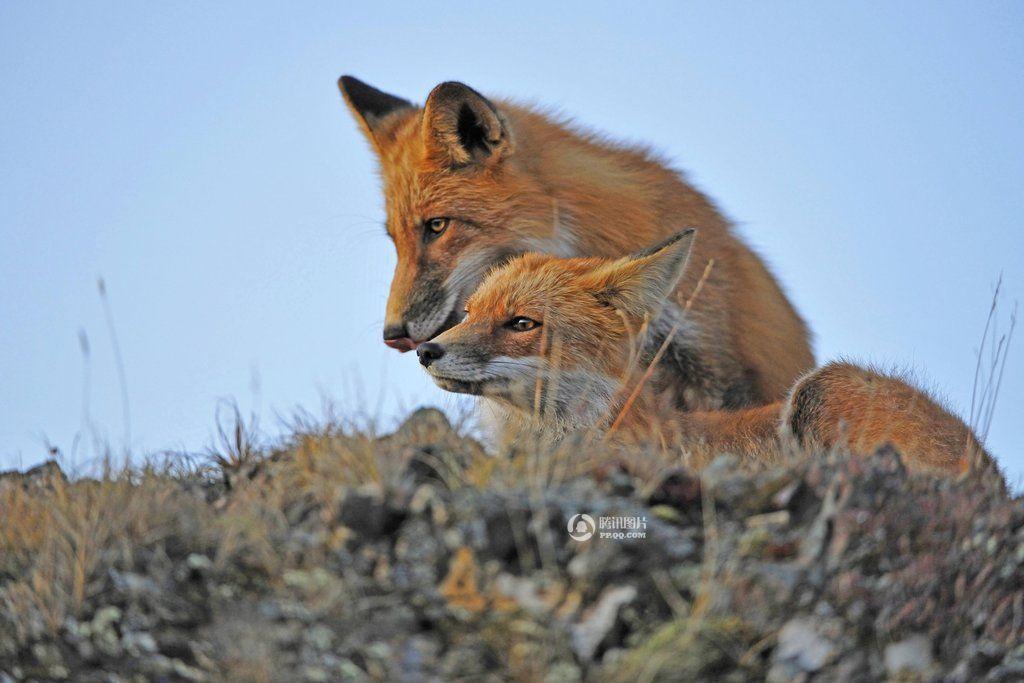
(416, 556)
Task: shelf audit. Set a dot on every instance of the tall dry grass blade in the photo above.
(1004, 347)
(539, 381)
(981, 348)
(661, 352)
(988, 376)
(122, 377)
(237, 440)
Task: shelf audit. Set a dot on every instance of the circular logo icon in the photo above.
(581, 527)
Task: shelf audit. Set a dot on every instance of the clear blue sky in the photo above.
(199, 158)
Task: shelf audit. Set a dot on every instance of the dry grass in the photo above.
(267, 519)
(990, 365)
(58, 539)
(53, 543)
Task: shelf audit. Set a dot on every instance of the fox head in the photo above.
(459, 200)
(556, 338)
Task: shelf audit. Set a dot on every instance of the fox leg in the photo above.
(844, 405)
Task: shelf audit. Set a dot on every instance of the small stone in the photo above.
(350, 670)
(768, 519)
(47, 655)
(135, 584)
(187, 672)
(801, 644)
(105, 616)
(563, 672)
(599, 620)
(315, 674)
(308, 582)
(198, 562)
(536, 596)
(138, 642)
(786, 494)
(379, 649)
(910, 655)
(785, 672)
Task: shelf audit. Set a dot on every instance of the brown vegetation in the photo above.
(343, 555)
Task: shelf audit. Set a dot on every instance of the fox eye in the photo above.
(435, 226)
(522, 324)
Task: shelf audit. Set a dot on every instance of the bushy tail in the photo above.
(859, 409)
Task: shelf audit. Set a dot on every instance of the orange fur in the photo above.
(591, 315)
(511, 180)
(862, 409)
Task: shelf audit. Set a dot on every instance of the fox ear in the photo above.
(370, 106)
(639, 284)
(462, 127)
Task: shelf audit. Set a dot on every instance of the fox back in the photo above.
(470, 182)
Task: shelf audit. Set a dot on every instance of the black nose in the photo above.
(429, 352)
(395, 332)
(397, 337)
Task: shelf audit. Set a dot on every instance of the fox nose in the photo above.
(397, 337)
(429, 352)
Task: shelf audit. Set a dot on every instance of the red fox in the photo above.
(551, 343)
(471, 182)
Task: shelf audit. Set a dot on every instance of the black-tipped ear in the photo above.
(463, 127)
(678, 245)
(371, 106)
(640, 283)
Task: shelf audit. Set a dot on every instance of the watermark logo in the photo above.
(581, 527)
(619, 528)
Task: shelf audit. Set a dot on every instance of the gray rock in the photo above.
(801, 644)
(198, 562)
(599, 620)
(563, 672)
(324, 580)
(910, 655)
(139, 642)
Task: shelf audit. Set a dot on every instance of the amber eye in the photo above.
(435, 226)
(521, 324)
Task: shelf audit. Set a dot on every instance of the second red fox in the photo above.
(553, 344)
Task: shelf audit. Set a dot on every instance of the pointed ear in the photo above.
(370, 106)
(462, 127)
(639, 284)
